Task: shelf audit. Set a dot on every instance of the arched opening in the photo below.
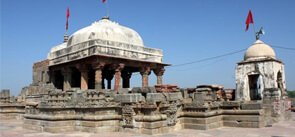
(76, 78)
(107, 75)
(255, 86)
(126, 75)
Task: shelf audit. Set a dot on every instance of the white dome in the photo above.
(58, 47)
(106, 30)
(259, 50)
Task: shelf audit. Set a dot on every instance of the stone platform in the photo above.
(13, 128)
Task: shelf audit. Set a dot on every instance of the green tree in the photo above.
(291, 94)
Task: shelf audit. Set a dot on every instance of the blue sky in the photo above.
(186, 30)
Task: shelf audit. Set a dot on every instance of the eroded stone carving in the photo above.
(128, 115)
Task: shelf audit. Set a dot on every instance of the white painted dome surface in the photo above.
(259, 50)
(105, 29)
(56, 48)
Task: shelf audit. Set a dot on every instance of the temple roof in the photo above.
(106, 29)
(104, 38)
(259, 50)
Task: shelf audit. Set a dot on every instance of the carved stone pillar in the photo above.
(145, 72)
(84, 79)
(67, 73)
(98, 75)
(159, 72)
(126, 75)
(118, 70)
(84, 76)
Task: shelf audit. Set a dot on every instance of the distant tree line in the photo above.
(291, 94)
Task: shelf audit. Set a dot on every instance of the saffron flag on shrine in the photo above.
(104, 1)
(249, 20)
(67, 16)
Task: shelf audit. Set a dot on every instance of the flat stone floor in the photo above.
(13, 128)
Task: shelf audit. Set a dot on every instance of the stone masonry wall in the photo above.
(146, 110)
(40, 72)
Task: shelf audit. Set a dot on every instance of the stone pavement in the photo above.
(13, 128)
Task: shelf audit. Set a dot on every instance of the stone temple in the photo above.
(97, 54)
(72, 89)
(259, 73)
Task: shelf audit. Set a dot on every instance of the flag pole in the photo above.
(67, 25)
(254, 31)
(108, 13)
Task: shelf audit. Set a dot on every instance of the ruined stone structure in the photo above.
(72, 91)
(11, 107)
(260, 77)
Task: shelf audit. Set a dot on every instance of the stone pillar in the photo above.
(118, 70)
(98, 75)
(145, 72)
(67, 73)
(84, 79)
(126, 75)
(84, 76)
(159, 72)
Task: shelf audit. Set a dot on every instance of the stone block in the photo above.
(199, 97)
(129, 98)
(143, 90)
(153, 125)
(185, 93)
(243, 124)
(173, 96)
(166, 88)
(57, 123)
(242, 118)
(33, 127)
(203, 89)
(215, 125)
(201, 120)
(156, 130)
(99, 123)
(155, 97)
(99, 129)
(231, 104)
(136, 90)
(148, 90)
(123, 91)
(187, 101)
(251, 106)
(5, 93)
(59, 129)
(194, 126)
(203, 126)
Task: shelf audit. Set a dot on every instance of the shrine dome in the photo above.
(259, 50)
(106, 29)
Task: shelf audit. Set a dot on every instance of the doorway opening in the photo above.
(76, 78)
(91, 79)
(59, 80)
(255, 87)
